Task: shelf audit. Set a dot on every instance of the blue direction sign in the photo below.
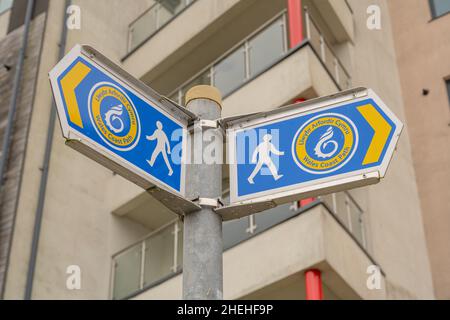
(321, 146)
(119, 122)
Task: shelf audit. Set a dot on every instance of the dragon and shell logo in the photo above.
(114, 116)
(325, 143)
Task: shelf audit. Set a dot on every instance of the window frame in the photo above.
(447, 87)
(433, 12)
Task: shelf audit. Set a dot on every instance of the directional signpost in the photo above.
(321, 146)
(121, 123)
(314, 148)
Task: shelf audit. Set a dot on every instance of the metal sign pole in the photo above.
(202, 251)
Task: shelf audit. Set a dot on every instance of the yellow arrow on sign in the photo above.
(382, 130)
(69, 83)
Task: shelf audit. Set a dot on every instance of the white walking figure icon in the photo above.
(262, 154)
(162, 146)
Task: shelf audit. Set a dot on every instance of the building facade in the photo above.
(262, 54)
(424, 70)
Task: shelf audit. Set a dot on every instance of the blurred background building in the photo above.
(422, 45)
(59, 208)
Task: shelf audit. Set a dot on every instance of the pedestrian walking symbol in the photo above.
(162, 147)
(262, 156)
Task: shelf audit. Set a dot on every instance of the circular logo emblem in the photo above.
(325, 143)
(114, 116)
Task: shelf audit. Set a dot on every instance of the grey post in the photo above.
(202, 251)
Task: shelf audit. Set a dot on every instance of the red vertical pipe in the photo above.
(306, 201)
(295, 22)
(313, 282)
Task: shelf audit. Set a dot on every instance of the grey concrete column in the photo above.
(202, 251)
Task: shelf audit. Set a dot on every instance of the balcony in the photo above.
(158, 258)
(5, 11)
(267, 48)
(205, 29)
(154, 19)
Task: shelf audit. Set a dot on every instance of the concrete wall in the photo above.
(78, 227)
(423, 51)
(9, 53)
(396, 238)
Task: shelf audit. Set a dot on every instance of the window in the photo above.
(252, 56)
(5, 5)
(345, 208)
(230, 73)
(266, 47)
(157, 16)
(448, 89)
(439, 7)
(203, 78)
(159, 252)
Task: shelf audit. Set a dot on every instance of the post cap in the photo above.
(204, 92)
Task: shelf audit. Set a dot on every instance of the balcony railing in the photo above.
(326, 53)
(159, 256)
(153, 19)
(153, 259)
(259, 52)
(349, 213)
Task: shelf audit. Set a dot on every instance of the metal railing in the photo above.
(153, 19)
(158, 256)
(239, 58)
(246, 67)
(326, 53)
(349, 213)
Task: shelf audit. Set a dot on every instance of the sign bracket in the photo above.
(173, 202)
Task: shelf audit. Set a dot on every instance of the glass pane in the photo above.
(142, 28)
(329, 60)
(234, 232)
(172, 7)
(357, 225)
(175, 97)
(5, 5)
(266, 47)
(203, 78)
(127, 272)
(230, 72)
(269, 218)
(159, 255)
(164, 15)
(156, 17)
(448, 89)
(328, 199)
(180, 247)
(440, 7)
(341, 208)
(314, 37)
(344, 79)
